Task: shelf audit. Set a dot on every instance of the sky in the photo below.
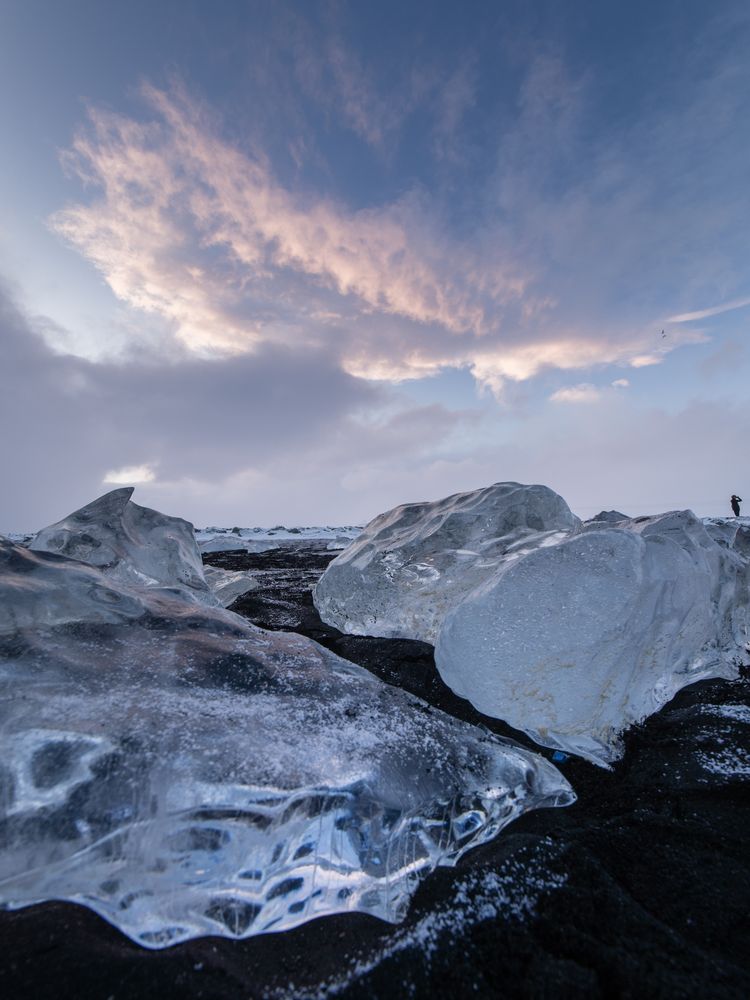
(298, 263)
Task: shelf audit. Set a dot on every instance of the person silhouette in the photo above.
(735, 502)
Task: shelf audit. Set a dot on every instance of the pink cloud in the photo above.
(199, 233)
(172, 187)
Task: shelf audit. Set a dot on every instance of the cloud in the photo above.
(629, 458)
(191, 228)
(728, 358)
(713, 311)
(195, 231)
(503, 224)
(454, 99)
(340, 79)
(647, 360)
(130, 474)
(249, 438)
(77, 423)
(287, 436)
(583, 393)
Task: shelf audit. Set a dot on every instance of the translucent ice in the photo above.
(568, 631)
(411, 565)
(130, 543)
(183, 773)
(227, 585)
(575, 641)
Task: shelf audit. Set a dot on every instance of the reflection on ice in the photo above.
(184, 773)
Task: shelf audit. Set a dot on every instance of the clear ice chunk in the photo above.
(411, 565)
(227, 585)
(184, 773)
(569, 632)
(130, 544)
(574, 642)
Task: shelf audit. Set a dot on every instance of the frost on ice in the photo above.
(184, 773)
(566, 631)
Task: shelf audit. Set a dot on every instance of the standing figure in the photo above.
(736, 501)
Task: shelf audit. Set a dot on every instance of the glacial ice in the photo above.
(184, 773)
(227, 585)
(575, 642)
(411, 565)
(568, 632)
(130, 543)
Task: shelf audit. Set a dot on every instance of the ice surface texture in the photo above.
(184, 773)
(569, 633)
(410, 566)
(575, 642)
(130, 543)
(227, 585)
(136, 545)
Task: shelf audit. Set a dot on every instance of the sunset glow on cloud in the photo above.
(191, 229)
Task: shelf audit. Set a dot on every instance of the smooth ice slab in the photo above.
(575, 641)
(411, 565)
(183, 773)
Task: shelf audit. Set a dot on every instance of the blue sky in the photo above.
(302, 262)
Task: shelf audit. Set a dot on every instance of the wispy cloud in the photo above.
(191, 228)
(583, 393)
(455, 97)
(713, 311)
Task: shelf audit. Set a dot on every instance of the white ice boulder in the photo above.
(130, 544)
(413, 564)
(184, 773)
(572, 642)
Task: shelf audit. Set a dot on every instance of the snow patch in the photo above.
(729, 762)
(513, 892)
(737, 713)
